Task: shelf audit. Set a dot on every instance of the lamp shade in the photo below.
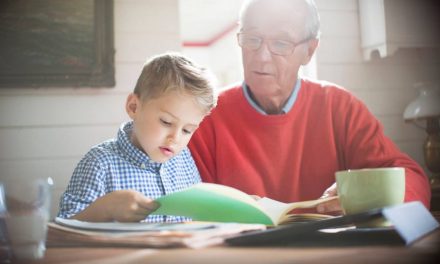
(426, 105)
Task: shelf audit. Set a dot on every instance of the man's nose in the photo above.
(263, 52)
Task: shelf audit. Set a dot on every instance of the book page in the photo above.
(278, 210)
(303, 218)
(213, 202)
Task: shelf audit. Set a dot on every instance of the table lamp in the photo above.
(426, 107)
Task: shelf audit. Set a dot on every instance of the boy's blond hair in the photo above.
(175, 72)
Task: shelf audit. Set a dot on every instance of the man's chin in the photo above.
(261, 82)
(264, 89)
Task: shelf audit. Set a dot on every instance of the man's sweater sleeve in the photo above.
(202, 147)
(366, 145)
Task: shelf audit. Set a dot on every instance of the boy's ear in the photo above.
(132, 105)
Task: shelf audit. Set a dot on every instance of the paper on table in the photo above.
(190, 234)
(139, 226)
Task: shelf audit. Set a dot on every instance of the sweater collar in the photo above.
(287, 106)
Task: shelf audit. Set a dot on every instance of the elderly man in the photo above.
(284, 137)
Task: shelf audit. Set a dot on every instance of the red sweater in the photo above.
(294, 156)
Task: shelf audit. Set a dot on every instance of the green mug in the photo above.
(365, 189)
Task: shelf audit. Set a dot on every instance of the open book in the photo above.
(220, 203)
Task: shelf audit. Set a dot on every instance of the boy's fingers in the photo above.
(149, 204)
(141, 213)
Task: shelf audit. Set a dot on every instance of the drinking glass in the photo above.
(24, 214)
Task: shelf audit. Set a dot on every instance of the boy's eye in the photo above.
(165, 122)
(186, 131)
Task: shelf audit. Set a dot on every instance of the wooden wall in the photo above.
(44, 132)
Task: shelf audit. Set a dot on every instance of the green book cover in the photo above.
(220, 203)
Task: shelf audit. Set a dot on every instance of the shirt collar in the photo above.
(287, 106)
(131, 152)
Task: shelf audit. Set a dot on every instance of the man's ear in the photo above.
(132, 105)
(311, 48)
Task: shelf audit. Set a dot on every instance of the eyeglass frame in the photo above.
(269, 46)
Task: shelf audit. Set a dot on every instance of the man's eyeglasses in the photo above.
(276, 46)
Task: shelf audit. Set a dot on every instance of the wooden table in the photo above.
(425, 250)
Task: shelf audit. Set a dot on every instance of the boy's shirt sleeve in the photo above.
(86, 185)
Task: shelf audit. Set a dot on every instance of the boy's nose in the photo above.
(173, 138)
(170, 140)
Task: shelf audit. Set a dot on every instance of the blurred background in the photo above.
(379, 51)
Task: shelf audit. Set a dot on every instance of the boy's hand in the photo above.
(128, 205)
(121, 206)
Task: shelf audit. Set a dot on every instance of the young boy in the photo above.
(118, 179)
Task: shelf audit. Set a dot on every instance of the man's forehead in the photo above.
(273, 26)
(271, 32)
(265, 15)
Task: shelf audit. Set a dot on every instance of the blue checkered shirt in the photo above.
(117, 164)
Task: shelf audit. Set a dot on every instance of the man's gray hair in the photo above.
(312, 26)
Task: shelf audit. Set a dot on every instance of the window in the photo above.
(52, 43)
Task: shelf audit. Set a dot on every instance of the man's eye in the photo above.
(252, 40)
(281, 44)
(165, 122)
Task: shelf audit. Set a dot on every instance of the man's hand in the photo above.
(121, 206)
(332, 206)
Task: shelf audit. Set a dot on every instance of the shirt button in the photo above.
(143, 166)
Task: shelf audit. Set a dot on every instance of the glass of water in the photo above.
(25, 212)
